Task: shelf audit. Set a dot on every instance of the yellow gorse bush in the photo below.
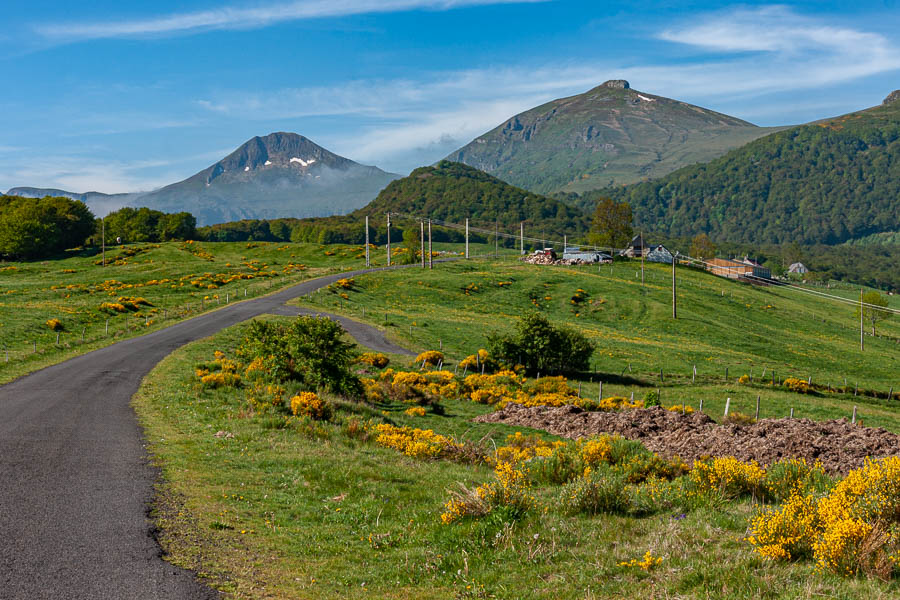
(418, 443)
(727, 476)
(376, 359)
(308, 404)
(415, 411)
(854, 528)
(54, 324)
(796, 385)
(430, 358)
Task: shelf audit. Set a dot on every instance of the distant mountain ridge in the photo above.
(609, 135)
(277, 175)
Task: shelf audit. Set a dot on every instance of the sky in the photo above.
(118, 96)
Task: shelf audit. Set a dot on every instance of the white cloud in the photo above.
(247, 18)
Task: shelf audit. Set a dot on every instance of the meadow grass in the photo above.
(291, 509)
(178, 280)
(722, 324)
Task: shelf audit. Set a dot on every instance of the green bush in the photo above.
(603, 491)
(651, 398)
(309, 350)
(562, 466)
(541, 347)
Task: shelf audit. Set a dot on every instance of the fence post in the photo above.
(57, 338)
(756, 418)
(701, 405)
(853, 421)
(727, 405)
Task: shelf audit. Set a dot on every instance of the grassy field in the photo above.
(177, 280)
(748, 330)
(290, 508)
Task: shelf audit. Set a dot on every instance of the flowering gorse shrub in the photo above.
(265, 396)
(854, 528)
(418, 443)
(308, 404)
(429, 358)
(728, 476)
(54, 324)
(415, 411)
(509, 494)
(796, 385)
(376, 359)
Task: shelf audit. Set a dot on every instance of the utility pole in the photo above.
(389, 240)
(674, 298)
(422, 240)
(565, 243)
(642, 258)
(467, 237)
(496, 239)
(862, 334)
(367, 240)
(430, 261)
(103, 235)
(522, 237)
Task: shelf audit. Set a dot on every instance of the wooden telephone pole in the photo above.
(467, 237)
(430, 261)
(367, 240)
(389, 240)
(674, 297)
(422, 241)
(862, 333)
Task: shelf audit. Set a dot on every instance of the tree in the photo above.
(702, 247)
(412, 240)
(611, 225)
(873, 309)
(541, 347)
(39, 227)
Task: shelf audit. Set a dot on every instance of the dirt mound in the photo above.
(839, 445)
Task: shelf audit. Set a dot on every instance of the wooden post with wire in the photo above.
(862, 333)
(367, 248)
(389, 239)
(674, 298)
(467, 237)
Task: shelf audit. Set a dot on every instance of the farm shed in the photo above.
(660, 254)
(798, 268)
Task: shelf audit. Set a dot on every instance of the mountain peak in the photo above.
(892, 97)
(616, 84)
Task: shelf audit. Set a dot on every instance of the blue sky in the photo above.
(130, 96)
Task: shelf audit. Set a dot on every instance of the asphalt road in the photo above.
(75, 481)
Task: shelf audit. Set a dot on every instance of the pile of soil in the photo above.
(839, 445)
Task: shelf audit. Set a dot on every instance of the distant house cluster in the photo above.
(653, 253)
(588, 256)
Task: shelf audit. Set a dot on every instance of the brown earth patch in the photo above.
(839, 445)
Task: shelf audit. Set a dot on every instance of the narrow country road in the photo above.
(75, 482)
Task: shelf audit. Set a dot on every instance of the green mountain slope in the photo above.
(610, 135)
(452, 191)
(823, 183)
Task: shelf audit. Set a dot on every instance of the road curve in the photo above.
(75, 481)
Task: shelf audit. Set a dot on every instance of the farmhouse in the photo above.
(660, 254)
(798, 268)
(576, 253)
(738, 269)
(636, 247)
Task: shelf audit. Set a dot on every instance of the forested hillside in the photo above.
(824, 183)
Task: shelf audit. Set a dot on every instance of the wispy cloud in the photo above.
(246, 18)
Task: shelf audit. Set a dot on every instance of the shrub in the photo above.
(792, 476)
(738, 418)
(415, 411)
(310, 350)
(431, 358)
(541, 347)
(728, 476)
(220, 379)
(310, 405)
(55, 324)
(601, 491)
(651, 398)
(418, 443)
(796, 385)
(508, 495)
(564, 464)
(376, 359)
(265, 396)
